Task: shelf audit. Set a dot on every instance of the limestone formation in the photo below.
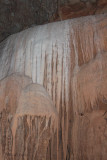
(28, 119)
(60, 64)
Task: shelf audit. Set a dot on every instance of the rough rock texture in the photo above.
(16, 15)
(68, 59)
(82, 8)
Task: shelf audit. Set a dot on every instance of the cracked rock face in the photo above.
(60, 64)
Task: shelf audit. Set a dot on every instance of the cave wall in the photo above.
(17, 15)
(68, 59)
(79, 9)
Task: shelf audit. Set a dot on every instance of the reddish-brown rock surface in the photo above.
(66, 60)
(82, 8)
